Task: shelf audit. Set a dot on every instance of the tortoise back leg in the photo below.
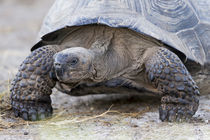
(31, 88)
(166, 72)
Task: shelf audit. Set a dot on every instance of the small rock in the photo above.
(134, 125)
(25, 133)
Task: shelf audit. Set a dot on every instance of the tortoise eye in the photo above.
(74, 61)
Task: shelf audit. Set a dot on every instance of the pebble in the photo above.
(26, 133)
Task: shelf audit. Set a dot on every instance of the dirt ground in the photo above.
(99, 117)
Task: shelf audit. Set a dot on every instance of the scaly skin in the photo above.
(31, 88)
(166, 72)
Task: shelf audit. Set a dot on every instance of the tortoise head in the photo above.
(73, 64)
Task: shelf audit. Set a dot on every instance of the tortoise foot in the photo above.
(32, 111)
(177, 112)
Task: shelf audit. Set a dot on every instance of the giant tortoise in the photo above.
(118, 46)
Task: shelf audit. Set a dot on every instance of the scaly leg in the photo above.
(31, 88)
(166, 72)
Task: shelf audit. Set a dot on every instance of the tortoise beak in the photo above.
(60, 65)
(59, 69)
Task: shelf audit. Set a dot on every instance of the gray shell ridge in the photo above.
(181, 24)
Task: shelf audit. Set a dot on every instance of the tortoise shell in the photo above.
(181, 24)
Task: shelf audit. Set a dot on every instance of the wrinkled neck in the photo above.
(108, 64)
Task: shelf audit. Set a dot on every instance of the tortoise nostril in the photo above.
(57, 65)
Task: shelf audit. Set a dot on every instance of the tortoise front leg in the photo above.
(31, 88)
(165, 71)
